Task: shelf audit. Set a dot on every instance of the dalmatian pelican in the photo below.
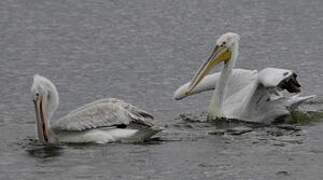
(102, 121)
(249, 95)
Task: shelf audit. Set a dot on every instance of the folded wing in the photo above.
(103, 113)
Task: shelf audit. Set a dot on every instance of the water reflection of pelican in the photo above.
(240, 93)
(45, 151)
(102, 121)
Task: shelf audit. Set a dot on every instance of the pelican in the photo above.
(243, 94)
(102, 121)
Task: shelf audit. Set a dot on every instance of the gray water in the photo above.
(141, 51)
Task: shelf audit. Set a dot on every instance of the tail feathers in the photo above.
(144, 134)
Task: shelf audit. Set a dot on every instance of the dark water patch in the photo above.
(45, 151)
(239, 130)
(36, 149)
(282, 173)
(192, 117)
(152, 141)
(309, 112)
(305, 118)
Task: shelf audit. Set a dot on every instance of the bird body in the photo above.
(243, 94)
(102, 121)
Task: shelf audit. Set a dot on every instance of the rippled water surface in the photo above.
(141, 51)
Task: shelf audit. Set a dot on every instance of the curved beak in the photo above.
(219, 54)
(41, 118)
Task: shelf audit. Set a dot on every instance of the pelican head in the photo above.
(45, 99)
(226, 51)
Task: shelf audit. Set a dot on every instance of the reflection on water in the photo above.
(44, 151)
(309, 112)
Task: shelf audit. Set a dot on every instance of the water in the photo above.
(141, 51)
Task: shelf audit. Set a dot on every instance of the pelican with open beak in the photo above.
(240, 93)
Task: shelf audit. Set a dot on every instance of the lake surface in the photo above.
(141, 51)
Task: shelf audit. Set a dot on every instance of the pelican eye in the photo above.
(37, 94)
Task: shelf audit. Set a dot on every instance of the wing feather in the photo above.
(271, 77)
(103, 113)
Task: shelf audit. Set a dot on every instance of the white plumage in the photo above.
(240, 93)
(102, 121)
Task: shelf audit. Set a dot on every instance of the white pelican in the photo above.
(240, 93)
(102, 121)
